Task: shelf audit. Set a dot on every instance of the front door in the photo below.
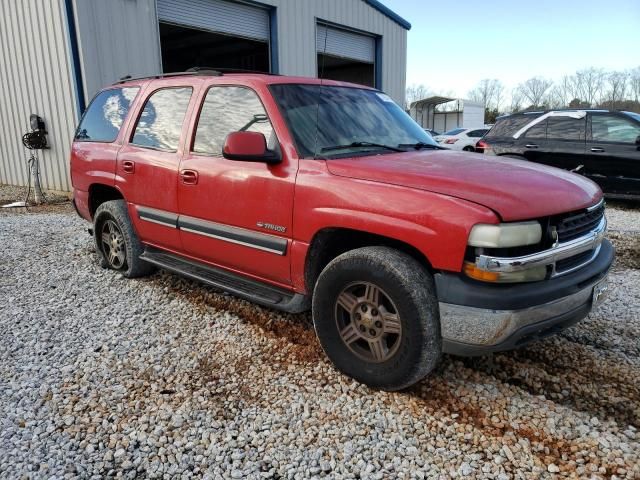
(236, 214)
(147, 170)
(613, 153)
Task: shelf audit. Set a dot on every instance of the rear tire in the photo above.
(376, 315)
(116, 241)
(469, 149)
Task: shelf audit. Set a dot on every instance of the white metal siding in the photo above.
(342, 43)
(35, 77)
(217, 16)
(116, 38)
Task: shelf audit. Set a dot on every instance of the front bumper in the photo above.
(478, 318)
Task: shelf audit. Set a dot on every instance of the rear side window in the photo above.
(455, 131)
(507, 126)
(106, 113)
(160, 123)
(226, 110)
(477, 133)
(539, 130)
(566, 128)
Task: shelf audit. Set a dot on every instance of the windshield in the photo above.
(353, 118)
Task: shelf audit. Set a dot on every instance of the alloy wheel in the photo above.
(113, 245)
(368, 322)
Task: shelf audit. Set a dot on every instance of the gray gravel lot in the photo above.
(162, 377)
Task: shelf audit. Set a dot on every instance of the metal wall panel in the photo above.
(217, 16)
(116, 38)
(35, 77)
(297, 20)
(342, 43)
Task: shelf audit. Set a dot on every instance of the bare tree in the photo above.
(634, 84)
(589, 84)
(489, 92)
(616, 88)
(414, 93)
(534, 90)
(516, 100)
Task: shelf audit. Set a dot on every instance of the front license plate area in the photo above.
(600, 291)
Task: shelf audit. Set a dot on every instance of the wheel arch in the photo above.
(100, 193)
(330, 242)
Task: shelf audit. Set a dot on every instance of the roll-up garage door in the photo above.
(238, 19)
(345, 44)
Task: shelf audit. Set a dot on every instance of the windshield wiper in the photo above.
(361, 144)
(420, 145)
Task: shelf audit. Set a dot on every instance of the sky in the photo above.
(454, 44)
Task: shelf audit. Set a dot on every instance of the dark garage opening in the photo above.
(346, 70)
(184, 47)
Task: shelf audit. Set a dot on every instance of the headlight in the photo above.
(505, 235)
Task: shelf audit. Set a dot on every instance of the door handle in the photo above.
(189, 177)
(531, 145)
(128, 166)
(597, 149)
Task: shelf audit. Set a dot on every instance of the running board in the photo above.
(235, 284)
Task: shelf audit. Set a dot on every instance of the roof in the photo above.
(386, 11)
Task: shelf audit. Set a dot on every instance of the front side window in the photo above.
(565, 128)
(106, 113)
(321, 118)
(160, 123)
(226, 110)
(610, 128)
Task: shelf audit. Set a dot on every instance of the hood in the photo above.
(514, 189)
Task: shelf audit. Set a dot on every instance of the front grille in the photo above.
(572, 262)
(576, 225)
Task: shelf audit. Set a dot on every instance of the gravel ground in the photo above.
(162, 377)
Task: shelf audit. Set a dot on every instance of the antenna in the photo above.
(324, 54)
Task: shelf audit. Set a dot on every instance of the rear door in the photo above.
(147, 170)
(533, 143)
(565, 143)
(613, 155)
(236, 214)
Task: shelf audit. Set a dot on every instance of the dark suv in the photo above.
(603, 145)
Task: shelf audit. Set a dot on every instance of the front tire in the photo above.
(376, 315)
(116, 241)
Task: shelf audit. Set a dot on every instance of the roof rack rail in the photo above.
(224, 70)
(213, 73)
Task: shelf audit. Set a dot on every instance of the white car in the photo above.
(461, 138)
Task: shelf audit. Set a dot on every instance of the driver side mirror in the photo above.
(248, 147)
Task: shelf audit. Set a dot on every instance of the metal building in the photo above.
(56, 54)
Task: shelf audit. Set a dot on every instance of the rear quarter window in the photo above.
(507, 126)
(106, 113)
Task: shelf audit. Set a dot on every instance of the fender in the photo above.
(434, 224)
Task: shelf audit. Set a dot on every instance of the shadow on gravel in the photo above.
(571, 374)
(293, 334)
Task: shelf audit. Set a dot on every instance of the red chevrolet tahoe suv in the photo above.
(297, 194)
